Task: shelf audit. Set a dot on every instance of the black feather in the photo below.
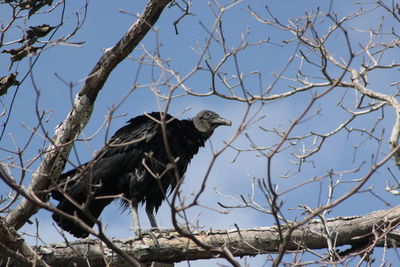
(127, 164)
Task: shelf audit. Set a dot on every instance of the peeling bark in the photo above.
(14, 251)
(168, 246)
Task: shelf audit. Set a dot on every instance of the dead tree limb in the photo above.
(14, 251)
(168, 246)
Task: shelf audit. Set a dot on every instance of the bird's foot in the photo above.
(150, 232)
(153, 233)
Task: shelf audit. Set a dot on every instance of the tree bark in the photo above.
(168, 246)
(14, 251)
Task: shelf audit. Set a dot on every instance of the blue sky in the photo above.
(103, 27)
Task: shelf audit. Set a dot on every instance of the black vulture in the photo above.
(134, 167)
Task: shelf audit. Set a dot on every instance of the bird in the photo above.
(136, 166)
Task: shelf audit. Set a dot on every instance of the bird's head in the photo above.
(206, 121)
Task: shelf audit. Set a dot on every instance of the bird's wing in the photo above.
(124, 153)
(126, 148)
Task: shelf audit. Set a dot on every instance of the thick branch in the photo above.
(168, 246)
(14, 250)
(54, 160)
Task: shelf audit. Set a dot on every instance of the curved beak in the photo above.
(221, 121)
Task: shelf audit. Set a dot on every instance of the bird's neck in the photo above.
(195, 137)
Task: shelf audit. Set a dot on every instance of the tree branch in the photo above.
(168, 246)
(14, 251)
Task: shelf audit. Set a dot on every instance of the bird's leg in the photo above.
(152, 219)
(135, 216)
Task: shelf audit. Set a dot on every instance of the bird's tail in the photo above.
(77, 191)
(94, 208)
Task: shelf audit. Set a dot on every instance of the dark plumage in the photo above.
(127, 167)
